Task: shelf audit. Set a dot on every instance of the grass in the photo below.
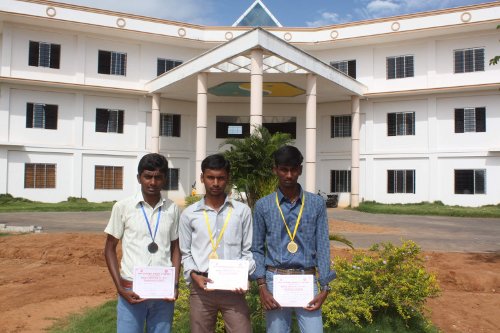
(102, 319)
(9, 203)
(436, 208)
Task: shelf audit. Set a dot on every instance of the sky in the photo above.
(290, 13)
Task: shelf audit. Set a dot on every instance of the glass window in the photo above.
(43, 54)
(469, 60)
(400, 67)
(401, 123)
(340, 181)
(172, 183)
(170, 125)
(113, 63)
(400, 181)
(470, 181)
(109, 121)
(470, 120)
(340, 127)
(41, 116)
(347, 67)
(164, 65)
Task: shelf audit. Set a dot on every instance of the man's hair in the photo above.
(216, 162)
(288, 155)
(152, 162)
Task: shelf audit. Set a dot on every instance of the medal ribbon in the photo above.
(147, 222)
(214, 244)
(298, 217)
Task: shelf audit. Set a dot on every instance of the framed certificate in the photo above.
(154, 282)
(228, 274)
(293, 290)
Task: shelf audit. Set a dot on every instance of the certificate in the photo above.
(293, 290)
(154, 282)
(228, 274)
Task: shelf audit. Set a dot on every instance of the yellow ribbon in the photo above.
(298, 217)
(215, 245)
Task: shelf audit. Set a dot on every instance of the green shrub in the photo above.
(189, 200)
(384, 280)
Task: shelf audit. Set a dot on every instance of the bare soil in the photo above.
(48, 276)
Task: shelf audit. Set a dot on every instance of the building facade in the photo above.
(398, 110)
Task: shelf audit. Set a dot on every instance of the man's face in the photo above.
(287, 175)
(215, 181)
(151, 182)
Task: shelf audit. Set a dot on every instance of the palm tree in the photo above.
(251, 162)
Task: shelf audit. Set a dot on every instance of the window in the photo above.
(400, 67)
(39, 175)
(108, 177)
(470, 120)
(172, 183)
(470, 181)
(239, 127)
(41, 116)
(44, 54)
(401, 123)
(469, 60)
(170, 125)
(109, 121)
(400, 181)
(345, 66)
(164, 65)
(340, 181)
(340, 126)
(110, 62)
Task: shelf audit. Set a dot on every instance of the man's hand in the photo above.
(200, 280)
(266, 299)
(130, 296)
(317, 301)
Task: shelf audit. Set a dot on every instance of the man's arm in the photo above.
(246, 240)
(112, 263)
(323, 257)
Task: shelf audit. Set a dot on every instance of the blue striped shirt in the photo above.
(270, 237)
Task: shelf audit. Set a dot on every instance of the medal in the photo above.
(292, 247)
(152, 247)
(215, 243)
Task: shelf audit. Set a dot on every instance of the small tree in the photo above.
(252, 162)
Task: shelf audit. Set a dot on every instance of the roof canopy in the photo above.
(230, 62)
(257, 15)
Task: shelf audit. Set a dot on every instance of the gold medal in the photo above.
(213, 255)
(292, 247)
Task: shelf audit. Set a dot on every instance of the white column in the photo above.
(355, 151)
(6, 58)
(311, 133)
(155, 124)
(201, 128)
(256, 81)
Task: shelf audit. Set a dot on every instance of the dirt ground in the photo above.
(48, 276)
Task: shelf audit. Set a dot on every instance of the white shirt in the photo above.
(194, 238)
(127, 223)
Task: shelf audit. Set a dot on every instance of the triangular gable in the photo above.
(256, 38)
(257, 15)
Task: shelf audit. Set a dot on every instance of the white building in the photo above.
(417, 118)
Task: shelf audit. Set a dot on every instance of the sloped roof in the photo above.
(257, 15)
(233, 57)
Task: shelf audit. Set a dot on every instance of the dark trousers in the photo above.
(204, 306)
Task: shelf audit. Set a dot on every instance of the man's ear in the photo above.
(201, 178)
(275, 170)
(139, 178)
(300, 170)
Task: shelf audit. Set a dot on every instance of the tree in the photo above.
(495, 59)
(251, 162)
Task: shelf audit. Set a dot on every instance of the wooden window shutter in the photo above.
(104, 62)
(55, 55)
(34, 50)
(459, 120)
(29, 115)
(51, 116)
(101, 120)
(481, 119)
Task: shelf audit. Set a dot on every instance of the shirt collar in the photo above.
(200, 205)
(282, 198)
(138, 198)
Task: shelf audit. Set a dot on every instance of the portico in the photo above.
(268, 60)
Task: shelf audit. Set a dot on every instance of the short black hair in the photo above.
(288, 155)
(216, 162)
(152, 162)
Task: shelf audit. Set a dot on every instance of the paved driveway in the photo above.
(434, 233)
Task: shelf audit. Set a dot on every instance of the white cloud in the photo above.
(383, 7)
(185, 10)
(328, 18)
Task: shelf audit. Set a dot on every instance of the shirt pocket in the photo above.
(233, 234)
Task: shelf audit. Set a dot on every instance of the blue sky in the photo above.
(291, 13)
